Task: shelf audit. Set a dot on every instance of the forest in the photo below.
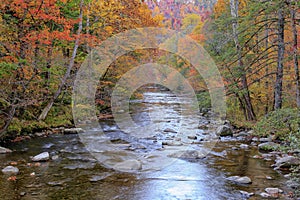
(254, 44)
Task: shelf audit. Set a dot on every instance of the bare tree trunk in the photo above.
(267, 72)
(45, 111)
(250, 115)
(295, 53)
(281, 48)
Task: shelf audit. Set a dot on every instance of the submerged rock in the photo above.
(224, 130)
(188, 154)
(246, 194)
(10, 170)
(4, 150)
(41, 157)
(128, 165)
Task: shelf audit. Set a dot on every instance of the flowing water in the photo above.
(76, 174)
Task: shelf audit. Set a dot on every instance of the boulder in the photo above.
(287, 162)
(41, 157)
(10, 170)
(240, 180)
(4, 150)
(224, 130)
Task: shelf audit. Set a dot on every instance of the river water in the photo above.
(76, 174)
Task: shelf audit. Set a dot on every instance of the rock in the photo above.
(269, 177)
(268, 139)
(242, 134)
(268, 146)
(188, 154)
(55, 157)
(264, 195)
(41, 157)
(251, 132)
(246, 194)
(56, 183)
(10, 170)
(73, 130)
(255, 139)
(128, 165)
(203, 127)
(244, 146)
(240, 180)
(287, 162)
(99, 177)
(172, 143)
(224, 130)
(273, 191)
(169, 130)
(192, 137)
(22, 194)
(4, 150)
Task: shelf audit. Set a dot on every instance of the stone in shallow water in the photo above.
(246, 194)
(41, 157)
(188, 154)
(10, 170)
(169, 130)
(240, 180)
(273, 191)
(99, 177)
(4, 150)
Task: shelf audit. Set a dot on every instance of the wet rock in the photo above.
(268, 146)
(22, 194)
(287, 162)
(192, 137)
(128, 165)
(41, 157)
(240, 180)
(55, 157)
(188, 154)
(244, 146)
(56, 183)
(97, 178)
(169, 130)
(224, 130)
(255, 139)
(10, 170)
(73, 130)
(246, 194)
(264, 195)
(4, 150)
(268, 139)
(172, 143)
(274, 192)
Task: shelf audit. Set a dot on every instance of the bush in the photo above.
(283, 123)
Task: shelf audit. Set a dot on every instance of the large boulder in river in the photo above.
(4, 150)
(41, 157)
(10, 170)
(224, 130)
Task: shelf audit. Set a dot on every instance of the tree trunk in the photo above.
(295, 53)
(45, 111)
(250, 115)
(281, 48)
(267, 72)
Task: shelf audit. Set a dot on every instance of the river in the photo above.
(76, 174)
